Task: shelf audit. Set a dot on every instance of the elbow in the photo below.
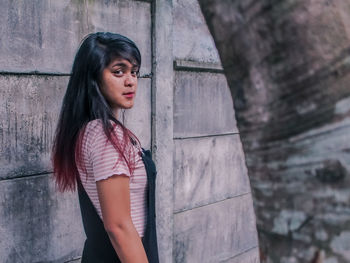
(119, 231)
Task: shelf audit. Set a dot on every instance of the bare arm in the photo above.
(114, 199)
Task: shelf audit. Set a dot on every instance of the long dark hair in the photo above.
(84, 102)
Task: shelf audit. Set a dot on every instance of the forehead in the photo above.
(121, 62)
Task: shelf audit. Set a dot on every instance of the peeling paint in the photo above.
(341, 244)
(287, 221)
(321, 235)
(332, 171)
(342, 106)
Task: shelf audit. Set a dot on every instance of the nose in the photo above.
(130, 80)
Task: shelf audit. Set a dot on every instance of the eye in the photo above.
(118, 73)
(135, 73)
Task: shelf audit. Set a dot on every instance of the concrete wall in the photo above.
(184, 113)
(214, 219)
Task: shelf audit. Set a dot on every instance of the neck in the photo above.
(115, 113)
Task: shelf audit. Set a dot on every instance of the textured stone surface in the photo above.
(44, 35)
(215, 232)
(310, 208)
(37, 223)
(207, 170)
(192, 40)
(29, 118)
(202, 105)
(288, 68)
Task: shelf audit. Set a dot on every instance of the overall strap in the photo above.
(150, 237)
(98, 247)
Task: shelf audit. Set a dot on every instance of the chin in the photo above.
(129, 106)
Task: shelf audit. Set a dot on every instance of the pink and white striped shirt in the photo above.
(101, 160)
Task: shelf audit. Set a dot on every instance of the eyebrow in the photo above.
(121, 64)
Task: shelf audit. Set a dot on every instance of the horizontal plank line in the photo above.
(242, 253)
(54, 74)
(73, 260)
(216, 202)
(146, 76)
(204, 136)
(33, 73)
(185, 65)
(16, 177)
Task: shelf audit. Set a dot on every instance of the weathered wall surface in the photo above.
(213, 212)
(38, 43)
(183, 111)
(44, 35)
(287, 64)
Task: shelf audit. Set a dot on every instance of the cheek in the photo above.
(114, 86)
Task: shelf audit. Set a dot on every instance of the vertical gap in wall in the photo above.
(162, 122)
(153, 76)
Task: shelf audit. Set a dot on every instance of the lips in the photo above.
(129, 94)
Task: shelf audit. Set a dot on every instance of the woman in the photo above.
(94, 153)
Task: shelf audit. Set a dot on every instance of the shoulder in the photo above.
(91, 130)
(94, 126)
(95, 130)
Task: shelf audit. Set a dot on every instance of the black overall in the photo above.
(98, 247)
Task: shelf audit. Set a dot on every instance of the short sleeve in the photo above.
(105, 159)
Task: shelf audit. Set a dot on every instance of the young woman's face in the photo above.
(119, 84)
